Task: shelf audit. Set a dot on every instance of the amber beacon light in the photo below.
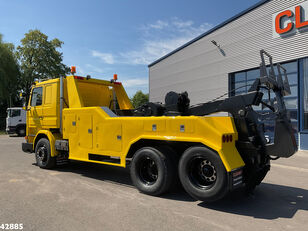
(73, 69)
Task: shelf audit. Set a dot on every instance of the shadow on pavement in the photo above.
(269, 201)
(13, 135)
(178, 194)
(116, 175)
(113, 174)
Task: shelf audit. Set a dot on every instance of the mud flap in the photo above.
(284, 144)
(255, 177)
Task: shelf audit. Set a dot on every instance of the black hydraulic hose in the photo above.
(269, 106)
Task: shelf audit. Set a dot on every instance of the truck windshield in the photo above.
(13, 113)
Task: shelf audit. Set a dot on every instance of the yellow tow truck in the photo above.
(84, 119)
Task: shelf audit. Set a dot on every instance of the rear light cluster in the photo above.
(237, 178)
(79, 77)
(227, 138)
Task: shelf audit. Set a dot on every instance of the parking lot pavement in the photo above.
(85, 196)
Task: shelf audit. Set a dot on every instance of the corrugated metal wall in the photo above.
(201, 69)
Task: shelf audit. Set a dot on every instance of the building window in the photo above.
(242, 81)
(305, 95)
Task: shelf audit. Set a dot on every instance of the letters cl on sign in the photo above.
(290, 20)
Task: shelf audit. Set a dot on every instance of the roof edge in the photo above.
(260, 3)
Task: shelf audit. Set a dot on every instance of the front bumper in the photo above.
(10, 129)
(27, 147)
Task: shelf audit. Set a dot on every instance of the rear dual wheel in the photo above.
(203, 174)
(153, 170)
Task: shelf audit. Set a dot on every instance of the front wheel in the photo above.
(43, 154)
(203, 174)
(21, 131)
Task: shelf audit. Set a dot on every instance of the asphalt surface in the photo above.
(85, 196)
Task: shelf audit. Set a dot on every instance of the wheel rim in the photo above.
(202, 172)
(148, 171)
(42, 154)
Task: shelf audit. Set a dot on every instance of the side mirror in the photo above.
(22, 95)
(23, 98)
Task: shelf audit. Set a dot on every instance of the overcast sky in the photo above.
(116, 36)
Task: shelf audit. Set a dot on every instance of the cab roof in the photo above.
(14, 108)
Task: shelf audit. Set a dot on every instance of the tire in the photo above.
(153, 170)
(203, 174)
(21, 131)
(43, 154)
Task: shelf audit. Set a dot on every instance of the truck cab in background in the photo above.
(16, 121)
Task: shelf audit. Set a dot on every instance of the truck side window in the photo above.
(36, 99)
(15, 113)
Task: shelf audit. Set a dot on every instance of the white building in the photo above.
(228, 56)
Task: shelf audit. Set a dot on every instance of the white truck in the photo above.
(16, 121)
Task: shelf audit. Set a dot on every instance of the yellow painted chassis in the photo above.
(92, 130)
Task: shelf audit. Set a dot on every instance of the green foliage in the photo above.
(39, 59)
(139, 99)
(9, 72)
(9, 79)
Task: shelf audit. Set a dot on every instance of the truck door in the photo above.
(35, 113)
(50, 108)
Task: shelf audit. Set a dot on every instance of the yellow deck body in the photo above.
(91, 127)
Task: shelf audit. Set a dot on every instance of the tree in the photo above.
(9, 74)
(139, 99)
(39, 59)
